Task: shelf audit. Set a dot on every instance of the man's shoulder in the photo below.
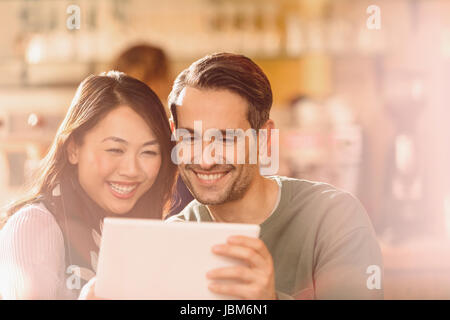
(194, 211)
(323, 203)
(305, 185)
(311, 192)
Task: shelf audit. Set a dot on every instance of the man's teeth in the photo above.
(210, 176)
(122, 189)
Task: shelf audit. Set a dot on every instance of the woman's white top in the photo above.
(32, 261)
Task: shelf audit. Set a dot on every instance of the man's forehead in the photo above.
(210, 97)
(219, 109)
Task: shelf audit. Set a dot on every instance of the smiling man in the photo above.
(316, 241)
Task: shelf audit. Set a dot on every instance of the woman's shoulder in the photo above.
(32, 220)
(35, 212)
(32, 252)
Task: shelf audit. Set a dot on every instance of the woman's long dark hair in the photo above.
(95, 97)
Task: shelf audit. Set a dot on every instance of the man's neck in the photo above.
(255, 207)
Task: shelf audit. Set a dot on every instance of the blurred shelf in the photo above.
(417, 269)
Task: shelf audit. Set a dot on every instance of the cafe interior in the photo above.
(360, 92)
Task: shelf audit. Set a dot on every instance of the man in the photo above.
(315, 241)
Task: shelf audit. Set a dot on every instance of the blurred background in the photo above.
(360, 103)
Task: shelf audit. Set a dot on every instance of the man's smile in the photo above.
(210, 178)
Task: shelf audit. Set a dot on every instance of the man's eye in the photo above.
(116, 151)
(190, 139)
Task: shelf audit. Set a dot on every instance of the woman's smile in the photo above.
(123, 190)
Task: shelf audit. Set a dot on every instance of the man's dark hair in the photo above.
(228, 71)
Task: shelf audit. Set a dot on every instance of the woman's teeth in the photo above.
(122, 189)
(210, 176)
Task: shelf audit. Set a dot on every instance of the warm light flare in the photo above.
(35, 50)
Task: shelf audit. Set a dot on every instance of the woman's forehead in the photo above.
(125, 123)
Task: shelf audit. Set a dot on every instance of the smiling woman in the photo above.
(110, 156)
(118, 160)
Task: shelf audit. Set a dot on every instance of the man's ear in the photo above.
(72, 152)
(269, 125)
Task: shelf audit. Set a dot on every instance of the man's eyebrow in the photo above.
(224, 132)
(188, 129)
(120, 140)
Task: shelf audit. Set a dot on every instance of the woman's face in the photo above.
(118, 160)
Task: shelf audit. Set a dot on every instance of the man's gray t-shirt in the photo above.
(321, 240)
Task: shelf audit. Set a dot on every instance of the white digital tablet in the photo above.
(152, 259)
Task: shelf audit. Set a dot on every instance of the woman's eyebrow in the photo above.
(120, 140)
(149, 143)
(115, 139)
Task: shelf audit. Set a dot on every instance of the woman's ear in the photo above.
(72, 152)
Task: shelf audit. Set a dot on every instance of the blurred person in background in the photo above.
(150, 64)
(110, 157)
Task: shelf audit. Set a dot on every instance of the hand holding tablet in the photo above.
(254, 280)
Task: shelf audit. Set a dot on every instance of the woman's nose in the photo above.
(129, 166)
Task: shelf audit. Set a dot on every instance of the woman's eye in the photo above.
(116, 151)
(151, 153)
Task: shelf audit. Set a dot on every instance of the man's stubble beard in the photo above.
(235, 191)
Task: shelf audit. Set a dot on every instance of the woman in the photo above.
(150, 64)
(110, 157)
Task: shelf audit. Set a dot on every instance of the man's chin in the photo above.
(210, 200)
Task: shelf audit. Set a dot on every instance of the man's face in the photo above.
(210, 181)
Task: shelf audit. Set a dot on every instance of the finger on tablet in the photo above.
(253, 258)
(254, 243)
(239, 273)
(242, 291)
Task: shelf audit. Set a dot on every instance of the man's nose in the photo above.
(206, 159)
